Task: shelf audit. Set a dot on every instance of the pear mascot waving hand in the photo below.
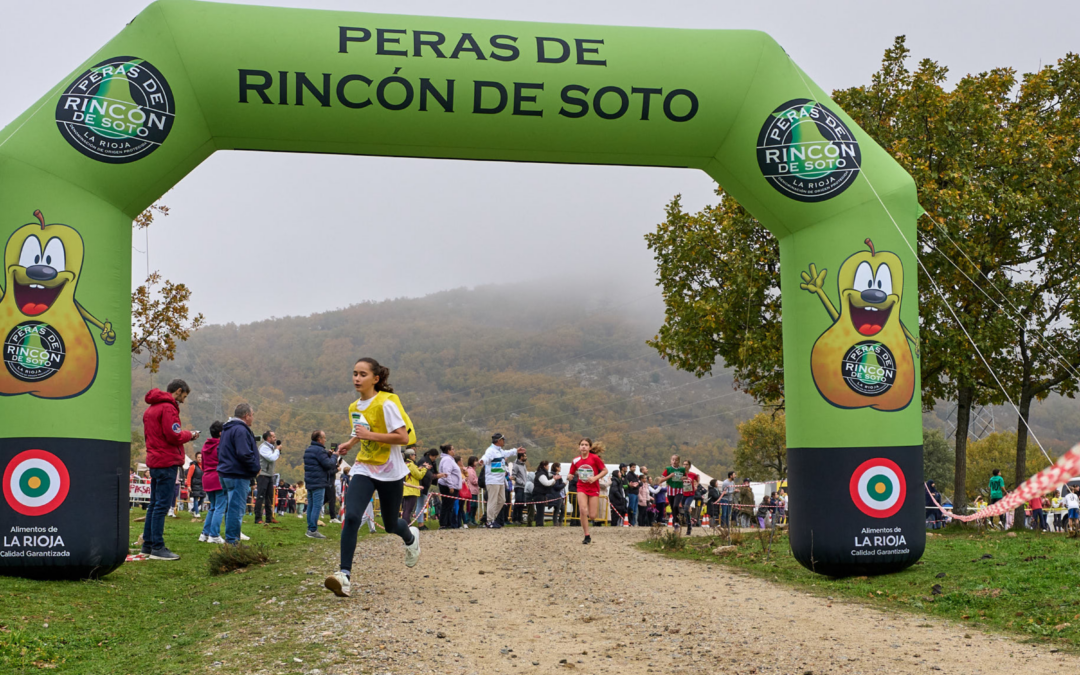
(863, 360)
(48, 350)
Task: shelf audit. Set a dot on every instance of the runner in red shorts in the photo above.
(589, 469)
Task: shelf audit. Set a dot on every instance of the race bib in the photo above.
(585, 472)
(358, 418)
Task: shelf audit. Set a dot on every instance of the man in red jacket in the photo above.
(164, 456)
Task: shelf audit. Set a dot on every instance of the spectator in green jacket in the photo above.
(997, 491)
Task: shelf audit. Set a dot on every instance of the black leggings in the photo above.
(361, 488)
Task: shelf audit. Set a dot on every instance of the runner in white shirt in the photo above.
(379, 467)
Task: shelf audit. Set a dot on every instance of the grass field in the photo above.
(155, 617)
(1025, 585)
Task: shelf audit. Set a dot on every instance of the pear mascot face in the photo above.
(864, 360)
(48, 350)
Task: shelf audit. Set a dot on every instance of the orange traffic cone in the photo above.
(626, 521)
(705, 521)
(670, 521)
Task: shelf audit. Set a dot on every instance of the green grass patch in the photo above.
(1025, 585)
(164, 617)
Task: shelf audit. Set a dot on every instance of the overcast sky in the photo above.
(469, 223)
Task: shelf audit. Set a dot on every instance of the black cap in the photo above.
(495, 438)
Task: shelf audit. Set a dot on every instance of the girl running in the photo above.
(379, 427)
(589, 469)
(689, 495)
(674, 476)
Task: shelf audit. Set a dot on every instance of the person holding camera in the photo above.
(269, 451)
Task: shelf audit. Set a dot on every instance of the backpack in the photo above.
(404, 415)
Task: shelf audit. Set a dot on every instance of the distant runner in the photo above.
(674, 476)
(589, 469)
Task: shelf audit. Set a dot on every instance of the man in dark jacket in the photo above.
(631, 483)
(616, 498)
(317, 467)
(238, 463)
(164, 456)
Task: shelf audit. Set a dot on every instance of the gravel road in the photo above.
(530, 601)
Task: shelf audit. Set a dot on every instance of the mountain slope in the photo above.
(544, 364)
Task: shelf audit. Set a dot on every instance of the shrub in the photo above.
(228, 558)
(668, 539)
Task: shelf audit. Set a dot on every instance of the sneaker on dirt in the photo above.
(338, 583)
(412, 551)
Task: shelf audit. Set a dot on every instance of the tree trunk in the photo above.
(1021, 447)
(965, 394)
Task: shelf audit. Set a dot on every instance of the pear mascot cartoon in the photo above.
(48, 350)
(864, 360)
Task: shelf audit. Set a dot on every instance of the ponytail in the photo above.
(598, 448)
(381, 372)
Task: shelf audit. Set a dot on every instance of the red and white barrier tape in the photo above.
(479, 501)
(1050, 478)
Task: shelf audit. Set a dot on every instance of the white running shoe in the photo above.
(412, 551)
(464, 526)
(171, 513)
(338, 583)
(203, 537)
(215, 540)
(244, 537)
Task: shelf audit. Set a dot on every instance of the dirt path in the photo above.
(528, 601)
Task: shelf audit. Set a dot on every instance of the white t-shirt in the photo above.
(394, 468)
(1072, 501)
(495, 469)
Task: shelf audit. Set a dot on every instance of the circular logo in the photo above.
(35, 482)
(868, 368)
(806, 152)
(119, 111)
(878, 487)
(33, 351)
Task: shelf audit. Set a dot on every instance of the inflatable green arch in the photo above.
(185, 79)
